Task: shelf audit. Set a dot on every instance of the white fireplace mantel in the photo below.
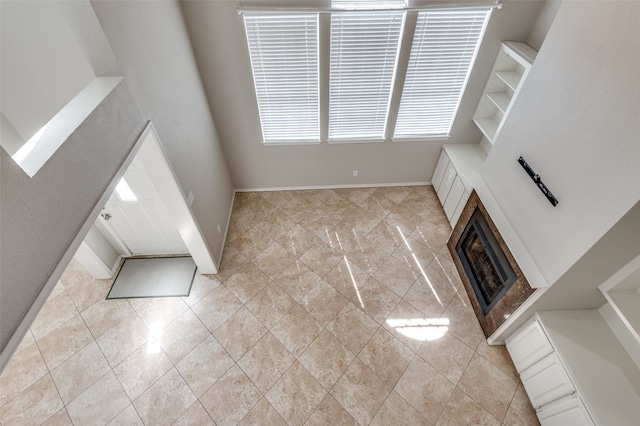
(467, 159)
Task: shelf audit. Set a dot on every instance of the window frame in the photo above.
(264, 73)
(403, 53)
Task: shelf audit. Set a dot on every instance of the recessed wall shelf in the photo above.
(509, 72)
(622, 292)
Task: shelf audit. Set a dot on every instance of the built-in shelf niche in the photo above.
(509, 71)
(622, 292)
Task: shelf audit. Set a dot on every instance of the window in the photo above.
(364, 69)
(444, 46)
(364, 51)
(284, 59)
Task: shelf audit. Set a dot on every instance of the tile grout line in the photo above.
(324, 325)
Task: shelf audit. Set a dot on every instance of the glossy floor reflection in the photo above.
(332, 307)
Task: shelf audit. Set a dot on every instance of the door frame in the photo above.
(158, 168)
(153, 160)
(194, 239)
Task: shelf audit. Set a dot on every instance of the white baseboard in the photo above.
(226, 228)
(303, 188)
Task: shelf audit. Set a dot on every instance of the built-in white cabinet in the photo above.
(565, 412)
(451, 192)
(528, 346)
(438, 174)
(509, 72)
(453, 176)
(457, 196)
(447, 179)
(575, 371)
(546, 381)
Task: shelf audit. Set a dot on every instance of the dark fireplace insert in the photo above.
(490, 274)
(484, 262)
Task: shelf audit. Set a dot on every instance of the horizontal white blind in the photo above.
(284, 59)
(444, 47)
(364, 51)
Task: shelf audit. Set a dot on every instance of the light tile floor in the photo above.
(332, 307)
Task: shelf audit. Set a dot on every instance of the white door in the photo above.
(138, 218)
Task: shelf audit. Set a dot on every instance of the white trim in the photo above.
(498, 337)
(95, 266)
(280, 10)
(348, 141)
(173, 199)
(421, 139)
(622, 274)
(112, 236)
(290, 143)
(304, 188)
(226, 229)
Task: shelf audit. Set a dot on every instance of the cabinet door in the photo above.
(447, 181)
(458, 211)
(453, 198)
(443, 162)
(567, 412)
(546, 381)
(528, 345)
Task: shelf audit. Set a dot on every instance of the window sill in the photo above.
(422, 139)
(291, 143)
(349, 141)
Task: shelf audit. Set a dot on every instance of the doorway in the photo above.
(147, 214)
(136, 219)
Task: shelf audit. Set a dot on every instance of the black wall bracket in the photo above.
(536, 179)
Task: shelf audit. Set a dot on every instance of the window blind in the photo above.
(444, 47)
(284, 59)
(364, 51)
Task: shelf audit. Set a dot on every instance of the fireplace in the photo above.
(485, 265)
(491, 277)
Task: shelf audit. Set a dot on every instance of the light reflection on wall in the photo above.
(26, 149)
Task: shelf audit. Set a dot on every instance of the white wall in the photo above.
(43, 67)
(577, 288)
(219, 41)
(43, 215)
(543, 23)
(84, 25)
(151, 44)
(576, 122)
(102, 248)
(11, 140)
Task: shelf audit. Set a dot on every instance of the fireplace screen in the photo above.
(486, 266)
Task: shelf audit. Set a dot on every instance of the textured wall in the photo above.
(41, 216)
(576, 122)
(43, 67)
(152, 46)
(218, 37)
